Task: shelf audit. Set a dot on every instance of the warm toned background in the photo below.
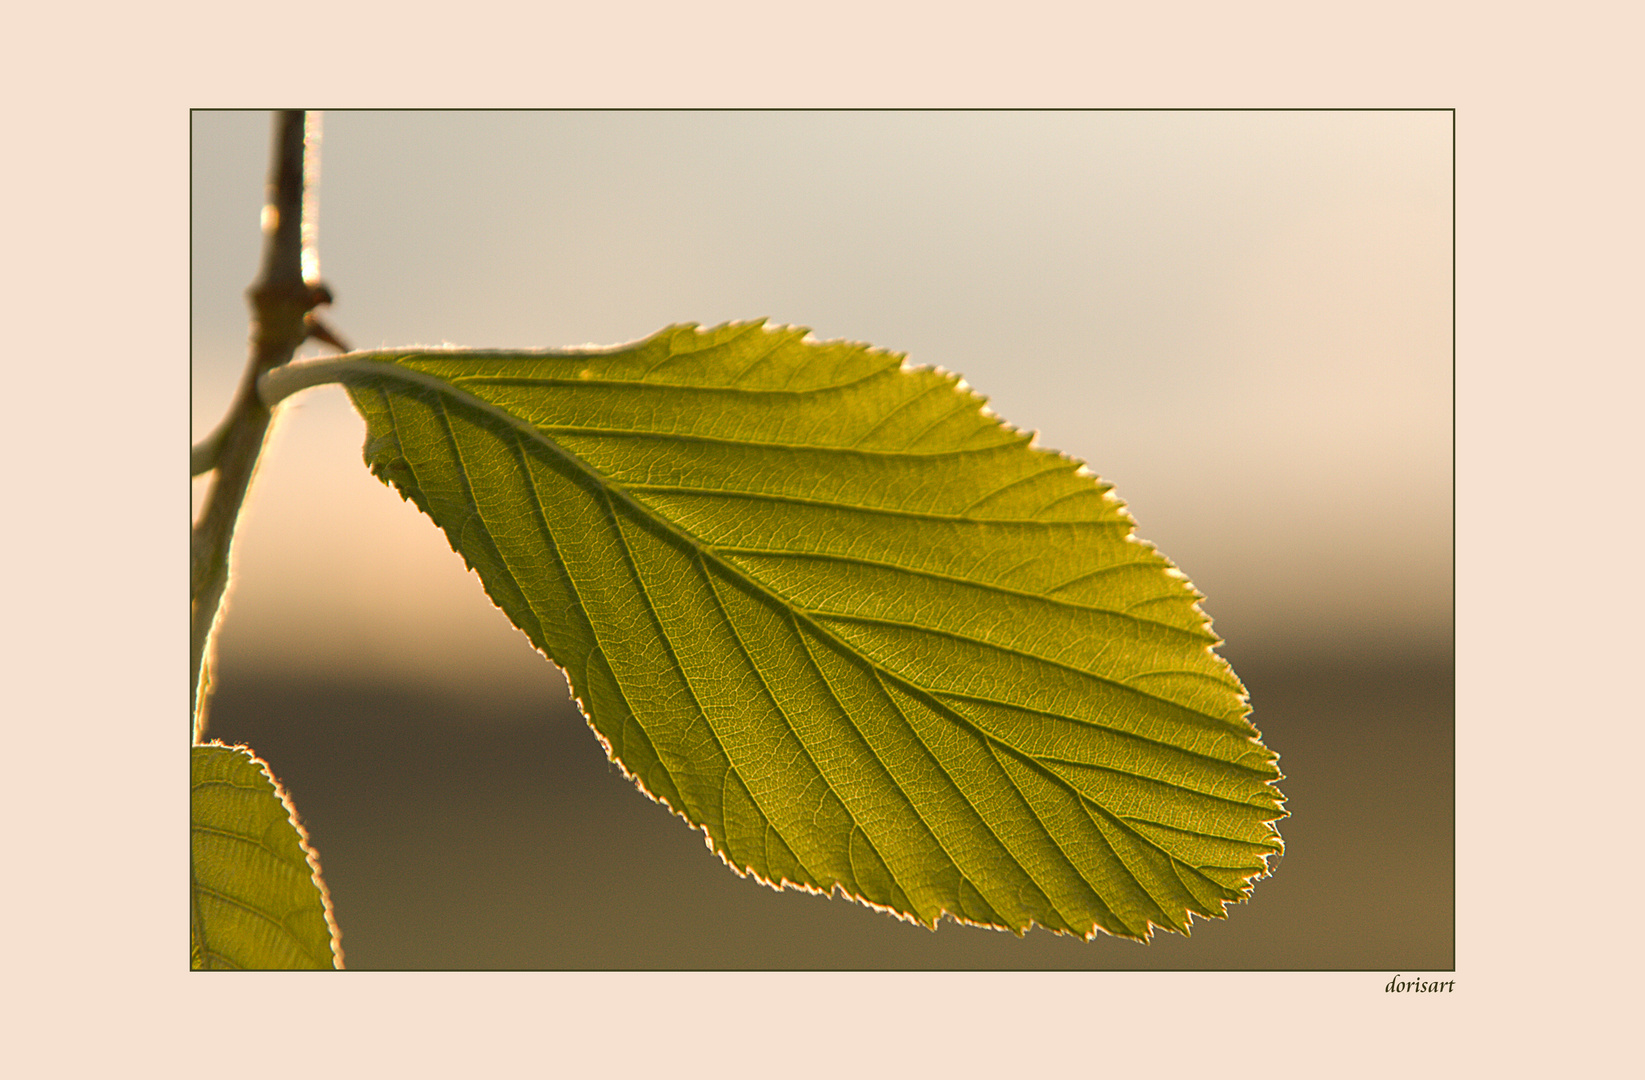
(1241, 319)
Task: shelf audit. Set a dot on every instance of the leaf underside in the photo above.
(827, 608)
(255, 898)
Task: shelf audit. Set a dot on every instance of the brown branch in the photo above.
(281, 300)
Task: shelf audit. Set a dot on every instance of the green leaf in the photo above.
(830, 610)
(256, 898)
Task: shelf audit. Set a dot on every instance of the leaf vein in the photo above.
(1197, 833)
(972, 806)
(756, 444)
(995, 750)
(834, 504)
(1120, 732)
(625, 384)
(889, 414)
(936, 575)
(765, 687)
(1018, 482)
(667, 644)
(475, 518)
(794, 620)
(244, 838)
(627, 508)
(1028, 760)
(969, 639)
(244, 905)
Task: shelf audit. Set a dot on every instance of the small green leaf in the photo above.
(831, 611)
(256, 897)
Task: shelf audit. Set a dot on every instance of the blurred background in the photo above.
(1241, 319)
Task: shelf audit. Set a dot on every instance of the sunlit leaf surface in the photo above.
(255, 898)
(833, 612)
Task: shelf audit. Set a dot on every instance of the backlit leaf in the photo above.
(830, 610)
(256, 901)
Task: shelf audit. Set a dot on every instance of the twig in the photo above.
(281, 299)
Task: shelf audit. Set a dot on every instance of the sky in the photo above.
(1243, 320)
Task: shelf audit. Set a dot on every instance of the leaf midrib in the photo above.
(968, 639)
(441, 387)
(880, 676)
(603, 482)
(1086, 804)
(1117, 732)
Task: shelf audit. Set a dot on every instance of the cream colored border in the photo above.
(1548, 387)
